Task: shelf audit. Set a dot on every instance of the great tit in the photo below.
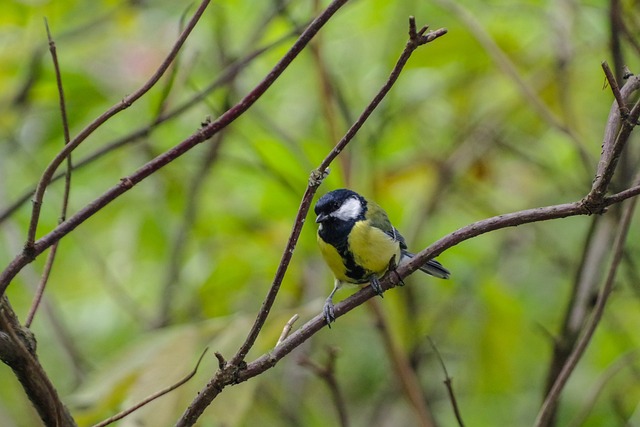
(359, 244)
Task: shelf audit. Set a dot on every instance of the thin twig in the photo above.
(472, 230)
(286, 330)
(153, 396)
(613, 84)
(550, 401)
(448, 382)
(67, 183)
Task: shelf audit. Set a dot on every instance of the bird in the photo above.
(359, 243)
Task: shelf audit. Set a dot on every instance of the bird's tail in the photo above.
(431, 267)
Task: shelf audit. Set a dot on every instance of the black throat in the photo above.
(336, 233)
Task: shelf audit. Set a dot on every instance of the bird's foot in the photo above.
(375, 285)
(400, 281)
(392, 267)
(328, 312)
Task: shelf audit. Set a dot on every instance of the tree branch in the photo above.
(18, 351)
(67, 182)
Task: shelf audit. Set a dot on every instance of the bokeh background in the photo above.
(506, 112)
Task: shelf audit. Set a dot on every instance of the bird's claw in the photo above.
(400, 281)
(392, 267)
(375, 285)
(328, 312)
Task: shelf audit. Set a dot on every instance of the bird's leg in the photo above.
(392, 267)
(375, 285)
(327, 310)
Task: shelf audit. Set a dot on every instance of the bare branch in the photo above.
(227, 75)
(67, 182)
(17, 350)
(624, 110)
(616, 136)
(287, 328)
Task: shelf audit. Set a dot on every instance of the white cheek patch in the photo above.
(349, 210)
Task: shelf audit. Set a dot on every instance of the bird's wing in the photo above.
(380, 220)
(398, 237)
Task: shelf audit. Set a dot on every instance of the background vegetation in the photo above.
(506, 112)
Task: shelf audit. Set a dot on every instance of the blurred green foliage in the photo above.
(456, 140)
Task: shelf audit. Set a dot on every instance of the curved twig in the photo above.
(153, 396)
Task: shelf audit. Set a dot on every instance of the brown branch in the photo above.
(232, 375)
(624, 110)
(67, 183)
(597, 243)
(232, 371)
(286, 330)
(30, 249)
(616, 135)
(153, 396)
(17, 350)
(550, 402)
(414, 42)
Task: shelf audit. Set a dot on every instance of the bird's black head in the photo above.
(340, 205)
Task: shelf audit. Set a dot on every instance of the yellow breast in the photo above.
(372, 248)
(333, 260)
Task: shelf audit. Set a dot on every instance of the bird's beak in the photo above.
(321, 217)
